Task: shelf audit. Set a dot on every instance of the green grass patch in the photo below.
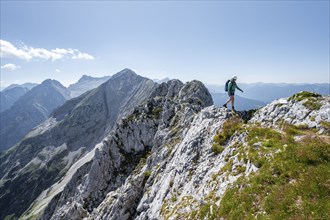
(174, 198)
(207, 211)
(312, 104)
(310, 97)
(303, 95)
(259, 133)
(229, 127)
(312, 151)
(294, 130)
(326, 126)
(293, 184)
(228, 166)
(312, 118)
(271, 141)
(204, 210)
(240, 169)
(147, 174)
(217, 148)
(177, 211)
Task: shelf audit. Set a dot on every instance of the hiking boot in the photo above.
(233, 108)
(225, 105)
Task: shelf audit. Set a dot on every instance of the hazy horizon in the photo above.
(209, 84)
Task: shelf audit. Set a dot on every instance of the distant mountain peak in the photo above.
(125, 73)
(85, 78)
(86, 83)
(51, 81)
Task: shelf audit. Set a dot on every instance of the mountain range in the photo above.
(250, 99)
(12, 93)
(46, 153)
(35, 106)
(255, 94)
(30, 110)
(135, 149)
(10, 96)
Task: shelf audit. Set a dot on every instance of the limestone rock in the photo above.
(294, 112)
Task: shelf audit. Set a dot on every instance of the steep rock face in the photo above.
(174, 171)
(93, 115)
(155, 127)
(48, 152)
(86, 83)
(172, 160)
(30, 110)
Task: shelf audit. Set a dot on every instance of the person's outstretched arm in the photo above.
(238, 88)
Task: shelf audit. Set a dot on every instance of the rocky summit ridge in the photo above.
(178, 157)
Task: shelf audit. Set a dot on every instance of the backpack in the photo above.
(226, 86)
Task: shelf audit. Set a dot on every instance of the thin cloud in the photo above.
(57, 70)
(10, 66)
(60, 51)
(28, 53)
(82, 56)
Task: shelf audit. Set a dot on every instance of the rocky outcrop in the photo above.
(302, 109)
(156, 128)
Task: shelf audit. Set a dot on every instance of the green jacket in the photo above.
(232, 86)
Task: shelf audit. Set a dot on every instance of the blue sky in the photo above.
(270, 41)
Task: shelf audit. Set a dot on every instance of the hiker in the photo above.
(231, 91)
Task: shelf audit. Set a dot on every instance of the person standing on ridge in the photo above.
(231, 92)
